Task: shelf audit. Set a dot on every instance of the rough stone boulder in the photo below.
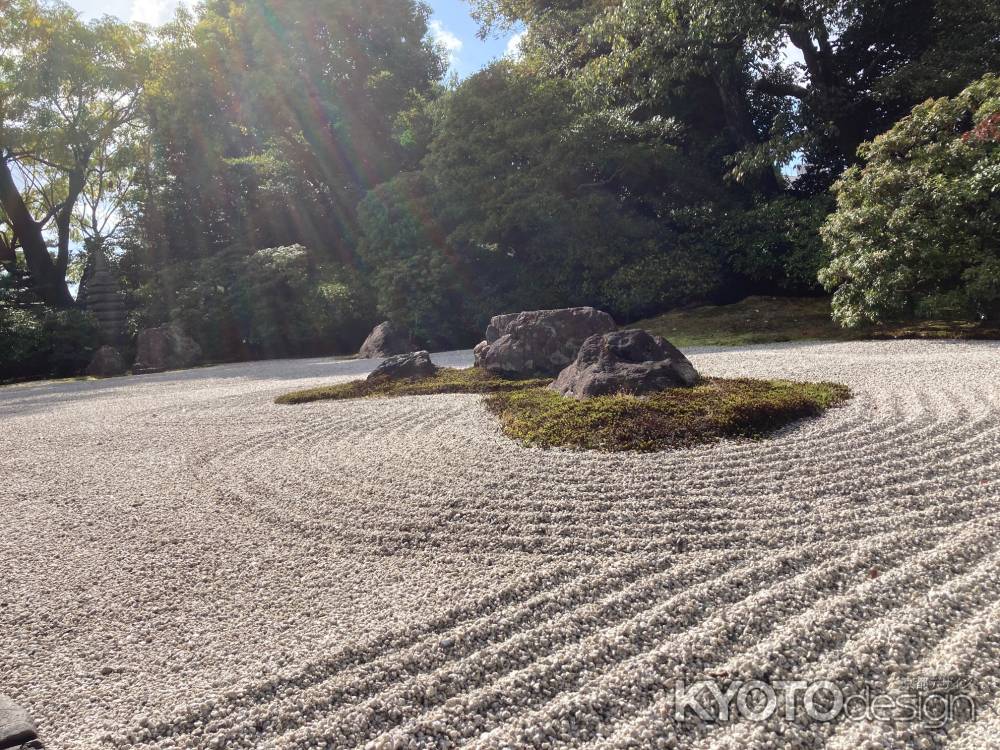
(386, 340)
(107, 362)
(633, 361)
(541, 342)
(165, 348)
(410, 366)
(16, 730)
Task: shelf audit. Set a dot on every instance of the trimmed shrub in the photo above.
(916, 232)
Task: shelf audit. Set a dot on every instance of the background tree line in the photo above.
(278, 175)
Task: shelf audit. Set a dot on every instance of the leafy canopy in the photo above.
(69, 103)
(917, 226)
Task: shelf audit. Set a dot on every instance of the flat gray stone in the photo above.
(410, 366)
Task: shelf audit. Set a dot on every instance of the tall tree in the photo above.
(67, 90)
(811, 78)
(280, 115)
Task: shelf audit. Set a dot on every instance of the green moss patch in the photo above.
(447, 380)
(528, 411)
(677, 418)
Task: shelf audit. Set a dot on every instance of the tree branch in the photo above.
(778, 88)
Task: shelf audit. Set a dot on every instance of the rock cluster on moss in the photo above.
(529, 411)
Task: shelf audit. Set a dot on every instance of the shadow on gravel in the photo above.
(24, 398)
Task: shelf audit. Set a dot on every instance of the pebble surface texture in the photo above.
(185, 564)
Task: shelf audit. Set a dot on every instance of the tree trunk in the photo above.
(736, 110)
(829, 96)
(64, 217)
(44, 276)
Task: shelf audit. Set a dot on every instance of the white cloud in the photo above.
(146, 11)
(451, 44)
(513, 49)
(155, 12)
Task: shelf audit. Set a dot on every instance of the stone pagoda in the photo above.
(101, 295)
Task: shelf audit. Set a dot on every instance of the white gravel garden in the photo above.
(187, 564)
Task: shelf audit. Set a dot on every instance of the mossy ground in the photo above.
(531, 413)
(682, 417)
(447, 380)
(760, 320)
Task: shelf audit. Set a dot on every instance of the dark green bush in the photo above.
(775, 246)
(442, 293)
(661, 280)
(41, 342)
(275, 302)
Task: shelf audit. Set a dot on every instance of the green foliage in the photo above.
(419, 280)
(271, 121)
(663, 279)
(916, 228)
(720, 68)
(271, 303)
(69, 106)
(446, 380)
(775, 244)
(509, 177)
(676, 418)
(41, 342)
(521, 203)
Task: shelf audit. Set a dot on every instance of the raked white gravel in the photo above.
(185, 564)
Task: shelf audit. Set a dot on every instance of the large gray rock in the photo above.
(633, 361)
(165, 348)
(16, 729)
(540, 342)
(410, 366)
(106, 363)
(386, 340)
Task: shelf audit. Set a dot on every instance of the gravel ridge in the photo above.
(186, 564)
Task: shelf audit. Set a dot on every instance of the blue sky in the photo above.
(451, 25)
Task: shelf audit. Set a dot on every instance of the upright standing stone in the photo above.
(386, 340)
